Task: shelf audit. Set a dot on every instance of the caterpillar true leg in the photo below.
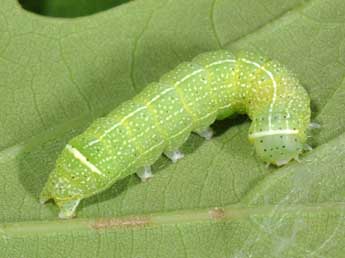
(281, 162)
(174, 156)
(307, 147)
(145, 173)
(67, 208)
(206, 133)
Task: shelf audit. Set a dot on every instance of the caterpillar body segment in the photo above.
(158, 120)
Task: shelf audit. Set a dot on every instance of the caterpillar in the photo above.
(214, 85)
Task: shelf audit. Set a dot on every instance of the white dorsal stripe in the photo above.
(79, 156)
(144, 107)
(221, 62)
(188, 76)
(274, 97)
(272, 132)
(130, 115)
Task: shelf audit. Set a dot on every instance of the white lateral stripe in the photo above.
(79, 156)
(221, 62)
(142, 154)
(273, 132)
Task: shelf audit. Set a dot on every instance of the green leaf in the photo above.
(57, 75)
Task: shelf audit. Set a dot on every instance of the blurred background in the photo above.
(69, 8)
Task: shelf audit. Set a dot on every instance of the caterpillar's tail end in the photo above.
(278, 149)
(44, 196)
(67, 208)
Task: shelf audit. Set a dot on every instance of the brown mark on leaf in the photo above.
(120, 223)
(216, 213)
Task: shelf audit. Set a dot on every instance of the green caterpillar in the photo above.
(212, 86)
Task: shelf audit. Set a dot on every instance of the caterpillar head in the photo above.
(278, 149)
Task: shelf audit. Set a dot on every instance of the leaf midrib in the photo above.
(206, 215)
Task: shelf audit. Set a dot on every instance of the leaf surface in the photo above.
(58, 75)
